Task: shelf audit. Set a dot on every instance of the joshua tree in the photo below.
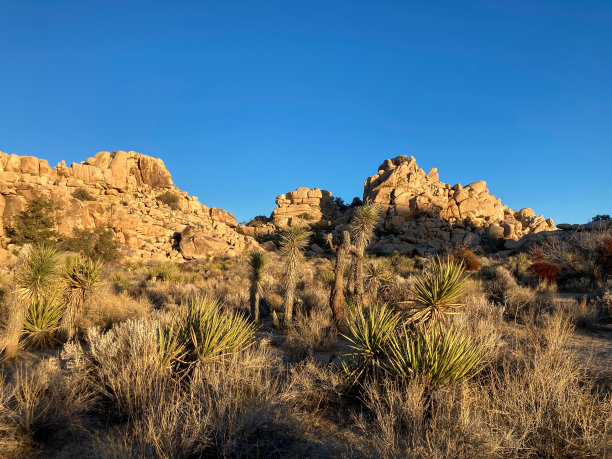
(82, 277)
(292, 240)
(37, 276)
(257, 261)
(362, 229)
(343, 259)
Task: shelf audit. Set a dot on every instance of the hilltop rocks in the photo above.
(304, 206)
(430, 214)
(127, 190)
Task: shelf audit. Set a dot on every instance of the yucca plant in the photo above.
(82, 277)
(170, 348)
(42, 321)
(369, 334)
(436, 294)
(208, 332)
(362, 229)
(257, 263)
(435, 357)
(37, 277)
(292, 241)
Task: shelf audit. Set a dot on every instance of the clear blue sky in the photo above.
(247, 100)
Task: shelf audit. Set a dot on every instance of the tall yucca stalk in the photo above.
(436, 294)
(343, 256)
(435, 357)
(37, 277)
(369, 334)
(362, 229)
(257, 263)
(82, 276)
(292, 241)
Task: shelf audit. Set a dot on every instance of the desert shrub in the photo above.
(545, 271)
(603, 256)
(379, 276)
(97, 244)
(107, 308)
(83, 195)
(36, 224)
(39, 406)
(305, 216)
(463, 255)
(258, 221)
(121, 283)
(170, 199)
(167, 272)
(308, 334)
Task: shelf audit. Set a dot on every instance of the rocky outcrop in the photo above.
(305, 206)
(127, 191)
(420, 212)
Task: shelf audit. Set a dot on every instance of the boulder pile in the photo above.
(127, 192)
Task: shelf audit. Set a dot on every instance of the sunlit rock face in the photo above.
(125, 194)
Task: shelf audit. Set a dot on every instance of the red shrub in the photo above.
(603, 256)
(544, 271)
(469, 258)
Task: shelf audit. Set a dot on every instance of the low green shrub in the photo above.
(97, 244)
(83, 195)
(170, 199)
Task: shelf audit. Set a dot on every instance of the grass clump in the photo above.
(42, 321)
(166, 272)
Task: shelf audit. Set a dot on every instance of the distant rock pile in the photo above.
(304, 206)
(126, 190)
(419, 213)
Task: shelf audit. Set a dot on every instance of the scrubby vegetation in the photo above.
(83, 195)
(284, 355)
(170, 199)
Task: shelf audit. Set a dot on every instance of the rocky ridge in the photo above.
(419, 213)
(125, 188)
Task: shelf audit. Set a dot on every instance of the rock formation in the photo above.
(305, 206)
(420, 213)
(126, 189)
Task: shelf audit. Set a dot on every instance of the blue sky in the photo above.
(247, 100)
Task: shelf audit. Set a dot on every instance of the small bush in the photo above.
(603, 256)
(468, 258)
(83, 195)
(170, 199)
(97, 244)
(544, 271)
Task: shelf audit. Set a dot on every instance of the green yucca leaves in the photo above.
(436, 357)
(369, 333)
(436, 294)
(363, 223)
(82, 276)
(206, 332)
(170, 348)
(43, 318)
(37, 273)
(257, 262)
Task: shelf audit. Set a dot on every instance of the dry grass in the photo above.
(280, 398)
